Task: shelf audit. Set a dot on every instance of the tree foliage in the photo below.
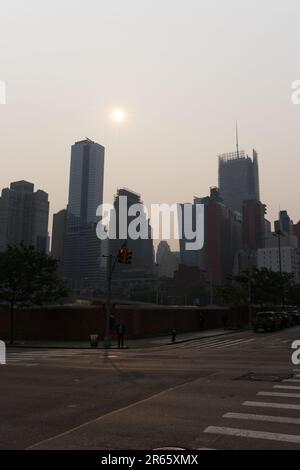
(28, 277)
(261, 287)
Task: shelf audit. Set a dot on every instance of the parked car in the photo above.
(295, 317)
(287, 320)
(283, 319)
(267, 321)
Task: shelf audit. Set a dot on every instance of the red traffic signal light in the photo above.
(122, 255)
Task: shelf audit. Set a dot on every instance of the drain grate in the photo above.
(264, 377)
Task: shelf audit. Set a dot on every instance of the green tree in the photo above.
(28, 277)
(259, 286)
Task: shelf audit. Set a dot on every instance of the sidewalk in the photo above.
(129, 344)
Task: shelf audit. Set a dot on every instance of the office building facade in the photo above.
(82, 248)
(238, 179)
(24, 216)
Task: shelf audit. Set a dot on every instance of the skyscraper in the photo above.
(222, 240)
(284, 224)
(238, 179)
(58, 237)
(254, 225)
(82, 248)
(86, 182)
(24, 216)
(143, 252)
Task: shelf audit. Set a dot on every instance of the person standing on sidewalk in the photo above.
(120, 332)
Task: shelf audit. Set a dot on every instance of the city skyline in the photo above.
(209, 84)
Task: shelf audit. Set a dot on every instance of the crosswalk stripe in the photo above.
(272, 436)
(287, 387)
(286, 406)
(236, 343)
(255, 417)
(291, 380)
(279, 394)
(202, 343)
(218, 344)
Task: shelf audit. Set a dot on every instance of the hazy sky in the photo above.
(183, 70)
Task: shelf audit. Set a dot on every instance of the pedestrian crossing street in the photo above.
(262, 418)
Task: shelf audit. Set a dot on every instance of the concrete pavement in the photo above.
(218, 393)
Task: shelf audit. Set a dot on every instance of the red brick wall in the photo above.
(63, 323)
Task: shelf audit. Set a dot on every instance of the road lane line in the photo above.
(255, 417)
(291, 380)
(287, 387)
(279, 394)
(285, 406)
(271, 436)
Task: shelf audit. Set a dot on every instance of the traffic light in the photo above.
(128, 256)
(122, 255)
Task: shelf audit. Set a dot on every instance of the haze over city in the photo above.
(182, 73)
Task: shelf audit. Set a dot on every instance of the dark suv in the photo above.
(267, 321)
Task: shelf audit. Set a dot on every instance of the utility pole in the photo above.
(111, 263)
(157, 282)
(249, 289)
(124, 256)
(279, 234)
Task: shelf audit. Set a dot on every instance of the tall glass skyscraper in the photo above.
(86, 181)
(82, 248)
(238, 179)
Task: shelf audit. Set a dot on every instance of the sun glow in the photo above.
(118, 115)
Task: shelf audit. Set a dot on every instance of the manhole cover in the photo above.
(264, 377)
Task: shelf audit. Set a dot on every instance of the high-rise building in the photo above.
(254, 225)
(284, 224)
(167, 260)
(59, 226)
(222, 240)
(24, 216)
(296, 231)
(82, 248)
(142, 249)
(238, 179)
(269, 258)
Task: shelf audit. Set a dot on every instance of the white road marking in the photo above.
(279, 394)
(271, 436)
(287, 387)
(285, 406)
(234, 343)
(291, 380)
(255, 417)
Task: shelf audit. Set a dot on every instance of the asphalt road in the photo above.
(238, 391)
